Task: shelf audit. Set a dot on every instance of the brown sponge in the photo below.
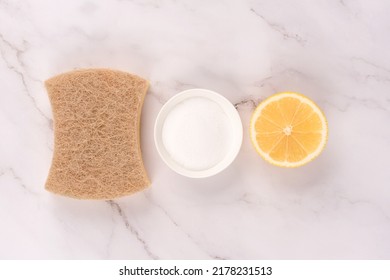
(97, 153)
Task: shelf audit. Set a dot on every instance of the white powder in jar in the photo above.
(197, 133)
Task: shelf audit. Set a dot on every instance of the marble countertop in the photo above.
(334, 51)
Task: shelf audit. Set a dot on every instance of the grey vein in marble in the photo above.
(116, 207)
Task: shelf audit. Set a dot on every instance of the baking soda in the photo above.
(196, 133)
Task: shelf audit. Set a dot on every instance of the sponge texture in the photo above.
(97, 153)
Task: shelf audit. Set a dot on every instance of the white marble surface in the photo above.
(334, 51)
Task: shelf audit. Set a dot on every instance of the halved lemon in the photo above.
(288, 129)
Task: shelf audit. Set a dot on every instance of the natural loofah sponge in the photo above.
(97, 152)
